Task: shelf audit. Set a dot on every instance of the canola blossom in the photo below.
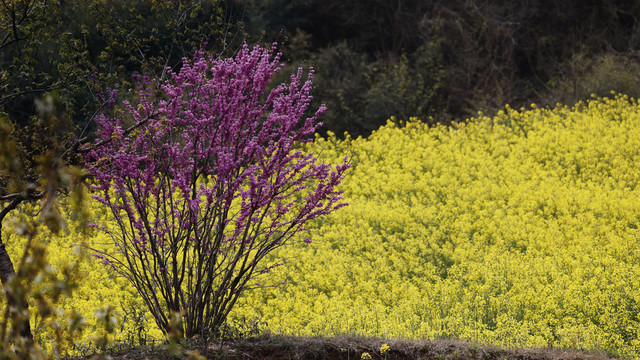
(514, 230)
(517, 230)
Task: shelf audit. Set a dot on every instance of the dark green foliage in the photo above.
(342, 81)
(38, 56)
(446, 60)
(78, 47)
(362, 95)
(407, 87)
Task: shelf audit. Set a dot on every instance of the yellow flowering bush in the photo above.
(519, 230)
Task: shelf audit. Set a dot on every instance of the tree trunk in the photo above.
(14, 299)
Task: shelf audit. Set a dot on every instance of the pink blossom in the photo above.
(211, 177)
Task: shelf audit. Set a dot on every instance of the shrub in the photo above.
(208, 181)
(601, 76)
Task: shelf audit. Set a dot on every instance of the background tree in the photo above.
(471, 55)
(28, 170)
(211, 182)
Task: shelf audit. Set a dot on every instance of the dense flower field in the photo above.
(516, 230)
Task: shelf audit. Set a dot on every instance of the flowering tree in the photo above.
(210, 181)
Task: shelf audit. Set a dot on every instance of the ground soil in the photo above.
(277, 347)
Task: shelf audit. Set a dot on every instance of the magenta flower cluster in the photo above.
(205, 175)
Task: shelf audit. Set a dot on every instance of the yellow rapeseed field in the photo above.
(516, 230)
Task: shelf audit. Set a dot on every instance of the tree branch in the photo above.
(102, 142)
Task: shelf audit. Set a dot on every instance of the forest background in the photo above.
(440, 61)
